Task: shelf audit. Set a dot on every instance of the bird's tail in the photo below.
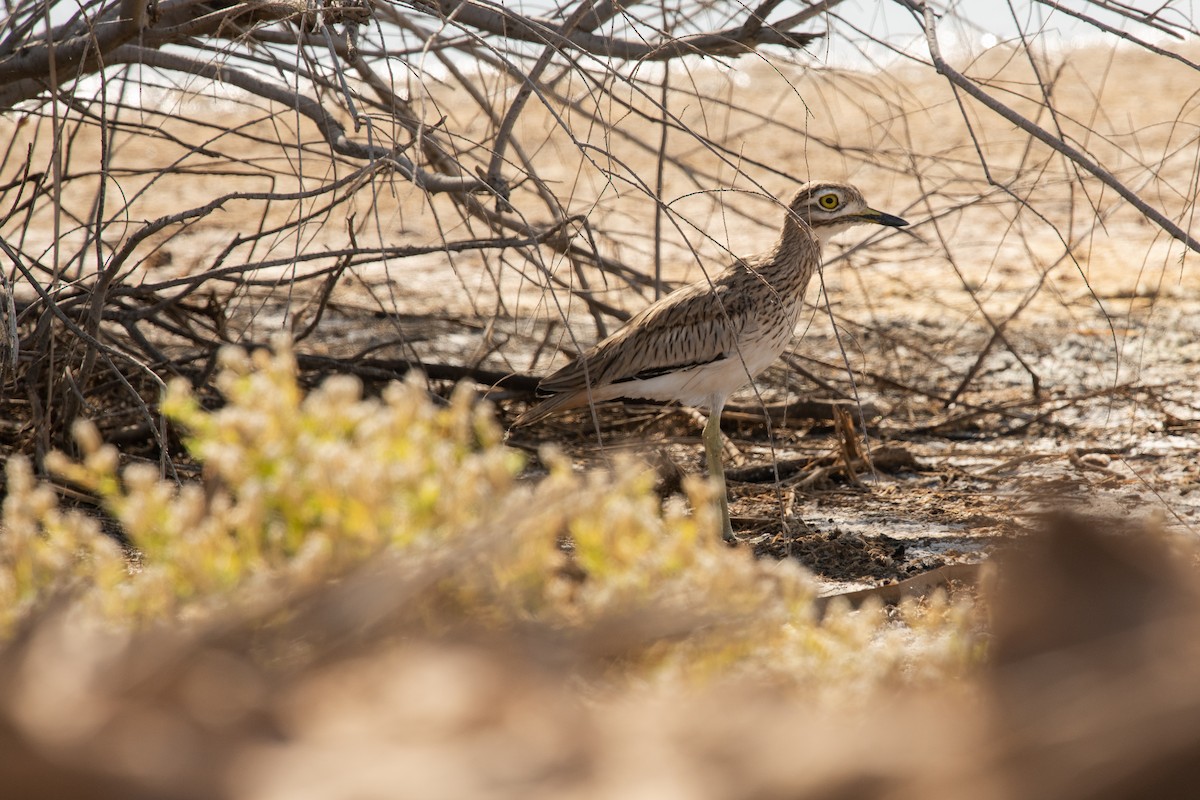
(551, 405)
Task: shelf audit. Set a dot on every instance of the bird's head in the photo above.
(830, 208)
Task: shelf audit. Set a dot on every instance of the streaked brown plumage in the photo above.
(706, 340)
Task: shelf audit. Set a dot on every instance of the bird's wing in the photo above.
(695, 325)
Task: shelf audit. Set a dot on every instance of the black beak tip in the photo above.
(891, 220)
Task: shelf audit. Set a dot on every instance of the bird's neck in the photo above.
(795, 257)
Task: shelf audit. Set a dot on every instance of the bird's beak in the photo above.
(880, 218)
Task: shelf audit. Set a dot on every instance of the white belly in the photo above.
(703, 384)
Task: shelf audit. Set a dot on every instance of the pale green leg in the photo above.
(716, 469)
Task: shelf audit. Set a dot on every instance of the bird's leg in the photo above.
(732, 453)
(716, 469)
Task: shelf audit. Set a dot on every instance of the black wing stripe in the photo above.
(655, 372)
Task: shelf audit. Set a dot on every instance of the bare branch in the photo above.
(79, 50)
(330, 129)
(925, 12)
(1120, 34)
(509, 24)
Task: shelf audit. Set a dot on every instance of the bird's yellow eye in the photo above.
(829, 201)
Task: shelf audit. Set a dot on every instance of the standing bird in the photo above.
(706, 340)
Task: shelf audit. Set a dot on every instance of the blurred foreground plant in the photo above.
(301, 489)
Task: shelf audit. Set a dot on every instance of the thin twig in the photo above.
(925, 12)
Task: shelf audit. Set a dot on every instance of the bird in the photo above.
(704, 341)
